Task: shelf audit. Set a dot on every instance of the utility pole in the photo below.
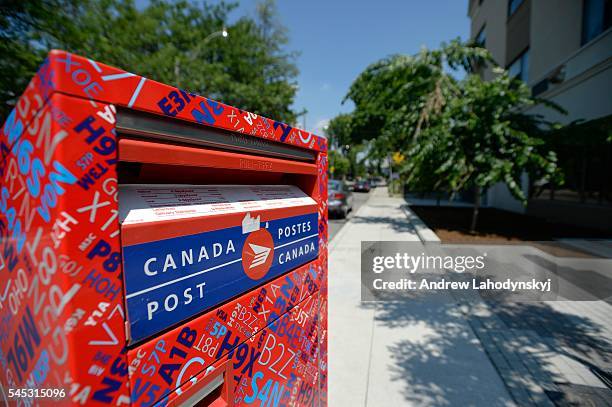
(390, 163)
(302, 113)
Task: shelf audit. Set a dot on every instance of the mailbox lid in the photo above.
(192, 248)
(108, 84)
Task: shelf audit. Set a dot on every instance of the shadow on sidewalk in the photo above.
(397, 224)
(443, 363)
(593, 285)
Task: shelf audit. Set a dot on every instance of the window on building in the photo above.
(520, 66)
(513, 5)
(596, 18)
(481, 38)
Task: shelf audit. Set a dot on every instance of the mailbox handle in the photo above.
(199, 394)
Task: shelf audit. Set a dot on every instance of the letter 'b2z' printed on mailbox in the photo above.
(244, 236)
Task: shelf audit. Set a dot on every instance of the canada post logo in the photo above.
(258, 249)
(261, 254)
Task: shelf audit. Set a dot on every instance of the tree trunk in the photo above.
(477, 193)
(583, 176)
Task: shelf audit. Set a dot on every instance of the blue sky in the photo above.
(339, 38)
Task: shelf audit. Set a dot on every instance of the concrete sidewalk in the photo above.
(422, 352)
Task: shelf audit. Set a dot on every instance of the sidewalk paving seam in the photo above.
(373, 326)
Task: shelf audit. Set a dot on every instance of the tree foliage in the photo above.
(339, 165)
(395, 97)
(478, 140)
(455, 134)
(356, 158)
(168, 41)
(339, 129)
(25, 35)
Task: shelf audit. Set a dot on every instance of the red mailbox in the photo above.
(158, 247)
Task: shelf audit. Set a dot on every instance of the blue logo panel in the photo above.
(168, 281)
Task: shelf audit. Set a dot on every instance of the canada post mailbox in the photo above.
(157, 247)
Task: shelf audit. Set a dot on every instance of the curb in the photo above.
(423, 231)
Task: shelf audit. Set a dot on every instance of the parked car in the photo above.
(362, 186)
(339, 198)
(377, 182)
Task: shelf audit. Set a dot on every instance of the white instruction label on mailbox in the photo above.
(149, 203)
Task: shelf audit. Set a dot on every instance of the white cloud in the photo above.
(325, 87)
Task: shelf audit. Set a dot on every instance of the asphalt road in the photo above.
(336, 224)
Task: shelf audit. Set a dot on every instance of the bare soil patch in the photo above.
(497, 226)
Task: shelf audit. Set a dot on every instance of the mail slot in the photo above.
(158, 247)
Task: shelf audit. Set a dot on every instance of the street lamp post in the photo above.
(177, 63)
(303, 114)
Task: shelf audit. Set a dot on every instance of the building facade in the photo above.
(562, 49)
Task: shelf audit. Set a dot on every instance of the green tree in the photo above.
(396, 96)
(356, 160)
(478, 140)
(165, 41)
(455, 134)
(338, 165)
(25, 36)
(339, 130)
